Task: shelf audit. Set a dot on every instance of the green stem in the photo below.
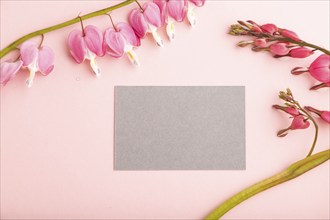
(104, 11)
(291, 172)
(316, 128)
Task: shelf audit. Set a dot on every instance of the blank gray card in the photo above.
(179, 128)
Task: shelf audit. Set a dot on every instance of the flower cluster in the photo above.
(300, 115)
(121, 39)
(34, 57)
(285, 43)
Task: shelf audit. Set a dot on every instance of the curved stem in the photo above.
(291, 172)
(104, 11)
(316, 128)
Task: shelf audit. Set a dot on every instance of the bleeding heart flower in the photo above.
(320, 68)
(269, 28)
(120, 40)
(290, 110)
(298, 122)
(279, 49)
(8, 71)
(290, 34)
(146, 20)
(171, 10)
(325, 115)
(260, 42)
(191, 15)
(300, 52)
(36, 59)
(87, 44)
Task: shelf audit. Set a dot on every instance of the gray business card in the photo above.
(179, 128)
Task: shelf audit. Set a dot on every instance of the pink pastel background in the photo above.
(57, 137)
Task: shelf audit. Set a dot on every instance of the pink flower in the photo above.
(290, 110)
(325, 115)
(147, 20)
(298, 122)
(320, 68)
(279, 49)
(8, 71)
(120, 40)
(36, 59)
(300, 52)
(171, 10)
(260, 42)
(290, 34)
(86, 44)
(269, 28)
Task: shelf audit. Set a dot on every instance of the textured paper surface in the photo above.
(179, 128)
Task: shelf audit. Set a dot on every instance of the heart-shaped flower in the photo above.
(146, 20)
(87, 44)
(172, 10)
(120, 40)
(8, 70)
(36, 59)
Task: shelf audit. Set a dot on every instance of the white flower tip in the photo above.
(133, 58)
(97, 72)
(95, 68)
(29, 83)
(191, 17)
(193, 23)
(172, 37)
(170, 30)
(160, 43)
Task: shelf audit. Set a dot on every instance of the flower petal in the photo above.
(114, 43)
(177, 9)
(162, 5)
(46, 60)
(94, 39)
(198, 3)
(290, 34)
(77, 46)
(133, 57)
(138, 22)
(152, 14)
(170, 29)
(320, 68)
(128, 33)
(8, 71)
(95, 67)
(29, 52)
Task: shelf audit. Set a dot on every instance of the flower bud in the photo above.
(290, 110)
(299, 70)
(320, 68)
(237, 30)
(324, 115)
(279, 49)
(299, 122)
(300, 52)
(244, 43)
(269, 28)
(260, 42)
(289, 34)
